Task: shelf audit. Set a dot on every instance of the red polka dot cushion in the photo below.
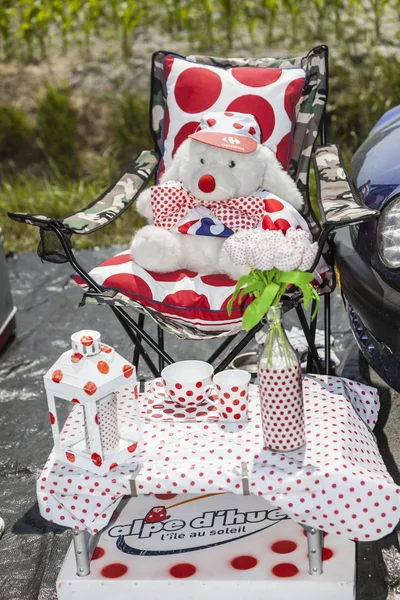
(189, 304)
(270, 94)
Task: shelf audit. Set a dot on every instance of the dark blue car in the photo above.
(368, 255)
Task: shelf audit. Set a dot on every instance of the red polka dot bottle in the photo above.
(280, 384)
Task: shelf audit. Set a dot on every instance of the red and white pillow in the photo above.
(270, 94)
(183, 297)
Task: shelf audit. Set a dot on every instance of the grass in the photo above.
(52, 163)
(57, 130)
(15, 131)
(57, 199)
(130, 125)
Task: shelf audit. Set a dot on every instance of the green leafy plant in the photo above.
(268, 287)
(7, 10)
(15, 132)
(57, 124)
(130, 126)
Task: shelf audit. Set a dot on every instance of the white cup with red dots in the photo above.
(232, 388)
(186, 382)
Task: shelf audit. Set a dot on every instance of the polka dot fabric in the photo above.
(108, 423)
(161, 408)
(282, 413)
(179, 210)
(269, 94)
(337, 482)
(183, 297)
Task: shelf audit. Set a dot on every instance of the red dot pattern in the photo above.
(260, 108)
(57, 376)
(114, 571)
(244, 563)
(202, 300)
(269, 94)
(182, 571)
(337, 483)
(282, 408)
(86, 340)
(285, 570)
(99, 552)
(284, 547)
(107, 421)
(197, 89)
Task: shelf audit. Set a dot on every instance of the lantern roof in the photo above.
(89, 370)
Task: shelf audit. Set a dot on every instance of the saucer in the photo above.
(161, 408)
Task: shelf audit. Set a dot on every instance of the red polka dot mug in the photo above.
(186, 382)
(232, 388)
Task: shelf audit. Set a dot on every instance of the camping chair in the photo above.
(112, 283)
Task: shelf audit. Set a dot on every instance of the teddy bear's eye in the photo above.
(232, 164)
(202, 161)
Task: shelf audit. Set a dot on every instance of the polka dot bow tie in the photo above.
(172, 203)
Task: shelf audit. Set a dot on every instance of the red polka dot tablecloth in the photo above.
(337, 482)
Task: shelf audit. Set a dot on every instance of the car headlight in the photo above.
(389, 234)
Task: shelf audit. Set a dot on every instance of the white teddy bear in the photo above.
(214, 174)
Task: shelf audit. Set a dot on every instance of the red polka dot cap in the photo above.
(235, 131)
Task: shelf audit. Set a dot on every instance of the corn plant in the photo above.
(37, 17)
(271, 8)
(378, 8)
(208, 11)
(6, 16)
(177, 15)
(229, 12)
(252, 16)
(130, 14)
(293, 7)
(89, 14)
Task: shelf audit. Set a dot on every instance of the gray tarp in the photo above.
(31, 550)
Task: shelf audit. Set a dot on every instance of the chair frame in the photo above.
(136, 332)
(339, 206)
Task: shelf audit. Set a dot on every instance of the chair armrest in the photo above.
(107, 207)
(338, 201)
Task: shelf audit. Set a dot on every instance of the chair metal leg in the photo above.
(136, 354)
(243, 342)
(327, 327)
(129, 324)
(315, 542)
(313, 329)
(160, 339)
(310, 341)
(221, 348)
(146, 337)
(132, 336)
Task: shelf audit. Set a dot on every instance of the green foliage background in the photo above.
(56, 157)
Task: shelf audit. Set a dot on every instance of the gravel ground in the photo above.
(32, 550)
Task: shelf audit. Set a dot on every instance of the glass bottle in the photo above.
(280, 386)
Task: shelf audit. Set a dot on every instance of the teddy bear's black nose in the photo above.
(206, 184)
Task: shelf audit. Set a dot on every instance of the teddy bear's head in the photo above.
(223, 159)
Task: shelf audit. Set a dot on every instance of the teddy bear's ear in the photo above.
(173, 171)
(277, 181)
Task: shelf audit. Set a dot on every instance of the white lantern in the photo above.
(103, 429)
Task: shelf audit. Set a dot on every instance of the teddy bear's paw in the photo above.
(143, 205)
(157, 249)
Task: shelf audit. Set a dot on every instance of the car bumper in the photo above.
(374, 310)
